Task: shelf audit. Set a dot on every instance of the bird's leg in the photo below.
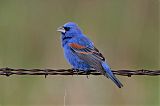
(87, 74)
(75, 70)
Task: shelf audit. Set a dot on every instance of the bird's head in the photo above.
(70, 29)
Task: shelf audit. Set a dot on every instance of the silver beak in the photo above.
(61, 29)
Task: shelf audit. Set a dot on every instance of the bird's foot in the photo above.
(75, 70)
(87, 74)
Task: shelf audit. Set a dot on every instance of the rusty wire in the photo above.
(19, 71)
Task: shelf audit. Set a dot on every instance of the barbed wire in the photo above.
(19, 71)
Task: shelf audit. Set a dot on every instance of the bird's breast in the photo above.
(74, 60)
(71, 57)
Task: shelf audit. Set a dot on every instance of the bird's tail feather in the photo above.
(111, 75)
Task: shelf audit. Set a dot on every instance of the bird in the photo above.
(81, 53)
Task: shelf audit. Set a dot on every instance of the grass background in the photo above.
(125, 31)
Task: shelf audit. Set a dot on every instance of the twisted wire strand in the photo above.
(20, 71)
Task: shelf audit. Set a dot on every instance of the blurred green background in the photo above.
(125, 31)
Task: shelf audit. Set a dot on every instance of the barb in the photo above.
(45, 72)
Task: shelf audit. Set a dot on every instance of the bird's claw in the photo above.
(75, 70)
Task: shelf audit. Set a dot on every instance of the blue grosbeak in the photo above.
(81, 53)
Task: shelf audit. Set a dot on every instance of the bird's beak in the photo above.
(61, 29)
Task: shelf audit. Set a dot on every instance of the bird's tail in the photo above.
(110, 75)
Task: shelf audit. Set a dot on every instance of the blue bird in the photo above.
(81, 53)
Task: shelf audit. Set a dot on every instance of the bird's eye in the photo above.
(67, 28)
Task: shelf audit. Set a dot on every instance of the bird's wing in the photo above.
(86, 50)
(91, 55)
